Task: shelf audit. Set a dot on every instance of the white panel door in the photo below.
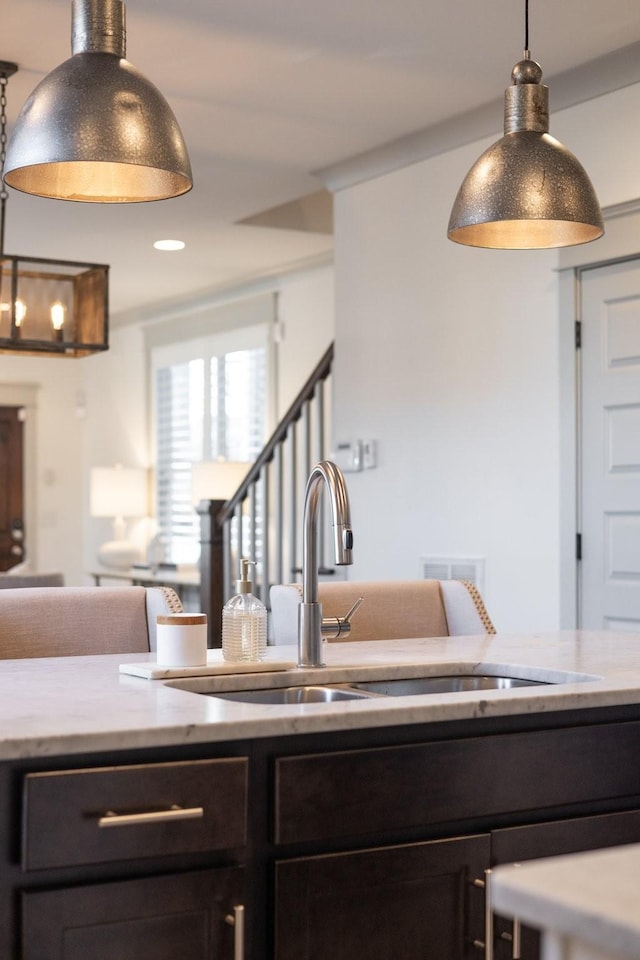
(610, 448)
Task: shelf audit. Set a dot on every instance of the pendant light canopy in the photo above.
(527, 190)
(95, 129)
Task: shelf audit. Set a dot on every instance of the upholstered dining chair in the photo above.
(76, 621)
(391, 610)
(12, 581)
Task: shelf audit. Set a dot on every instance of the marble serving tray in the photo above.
(151, 670)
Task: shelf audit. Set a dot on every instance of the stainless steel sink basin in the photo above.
(447, 684)
(315, 694)
(332, 692)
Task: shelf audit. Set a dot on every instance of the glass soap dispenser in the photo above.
(244, 622)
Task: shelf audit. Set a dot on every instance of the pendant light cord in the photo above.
(526, 30)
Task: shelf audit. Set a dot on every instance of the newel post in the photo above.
(211, 568)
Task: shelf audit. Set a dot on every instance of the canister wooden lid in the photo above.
(181, 619)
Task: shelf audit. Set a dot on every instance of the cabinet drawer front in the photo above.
(359, 792)
(558, 837)
(97, 815)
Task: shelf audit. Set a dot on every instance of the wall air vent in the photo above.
(454, 568)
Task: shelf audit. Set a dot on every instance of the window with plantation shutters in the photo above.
(210, 399)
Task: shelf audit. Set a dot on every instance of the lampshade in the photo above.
(95, 129)
(527, 190)
(216, 479)
(118, 492)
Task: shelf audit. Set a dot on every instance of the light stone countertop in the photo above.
(71, 705)
(589, 899)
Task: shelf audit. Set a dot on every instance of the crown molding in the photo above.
(265, 282)
(613, 71)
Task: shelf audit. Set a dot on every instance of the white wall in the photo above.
(54, 440)
(449, 357)
(95, 412)
(115, 429)
(306, 312)
(118, 396)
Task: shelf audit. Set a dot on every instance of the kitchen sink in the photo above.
(310, 694)
(447, 684)
(362, 690)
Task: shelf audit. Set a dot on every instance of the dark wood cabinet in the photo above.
(414, 901)
(366, 843)
(178, 915)
(558, 837)
(421, 901)
(139, 861)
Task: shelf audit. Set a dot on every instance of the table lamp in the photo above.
(118, 492)
(216, 479)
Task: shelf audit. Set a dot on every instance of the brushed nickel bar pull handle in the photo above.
(236, 920)
(487, 945)
(112, 819)
(515, 939)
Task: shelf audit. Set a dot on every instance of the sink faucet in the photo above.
(310, 623)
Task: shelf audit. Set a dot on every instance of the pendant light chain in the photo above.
(3, 151)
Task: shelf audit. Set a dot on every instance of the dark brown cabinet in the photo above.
(423, 900)
(370, 843)
(131, 819)
(518, 844)
(178, 915)
(415, 902)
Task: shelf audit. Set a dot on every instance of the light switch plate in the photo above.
(348, 456)
(369, 454)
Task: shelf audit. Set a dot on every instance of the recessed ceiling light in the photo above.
(169, 244)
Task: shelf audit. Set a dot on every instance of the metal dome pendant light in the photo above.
(527, 191)
(95, 129)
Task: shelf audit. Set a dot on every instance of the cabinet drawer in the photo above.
(97, 815)
(358, 792)
(564, 836)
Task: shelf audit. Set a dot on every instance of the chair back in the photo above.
(12, 581)
(76, 621)
(392, 610)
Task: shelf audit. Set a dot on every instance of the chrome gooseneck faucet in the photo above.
(310, 623)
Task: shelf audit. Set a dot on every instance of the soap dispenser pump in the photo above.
(244, 622)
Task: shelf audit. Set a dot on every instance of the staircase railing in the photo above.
(263, 519)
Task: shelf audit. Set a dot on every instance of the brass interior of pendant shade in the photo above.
(95, 129)
(98, 182)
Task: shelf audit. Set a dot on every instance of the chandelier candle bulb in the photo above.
(182, 640)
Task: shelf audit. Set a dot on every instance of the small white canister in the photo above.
(182, 640)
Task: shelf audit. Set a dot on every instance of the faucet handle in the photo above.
(334, 627)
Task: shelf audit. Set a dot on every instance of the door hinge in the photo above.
(578, 334)
(578, 546)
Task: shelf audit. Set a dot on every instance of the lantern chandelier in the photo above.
(55, 307)
(527, 190)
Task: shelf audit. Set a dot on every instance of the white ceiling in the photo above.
(267, 95)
